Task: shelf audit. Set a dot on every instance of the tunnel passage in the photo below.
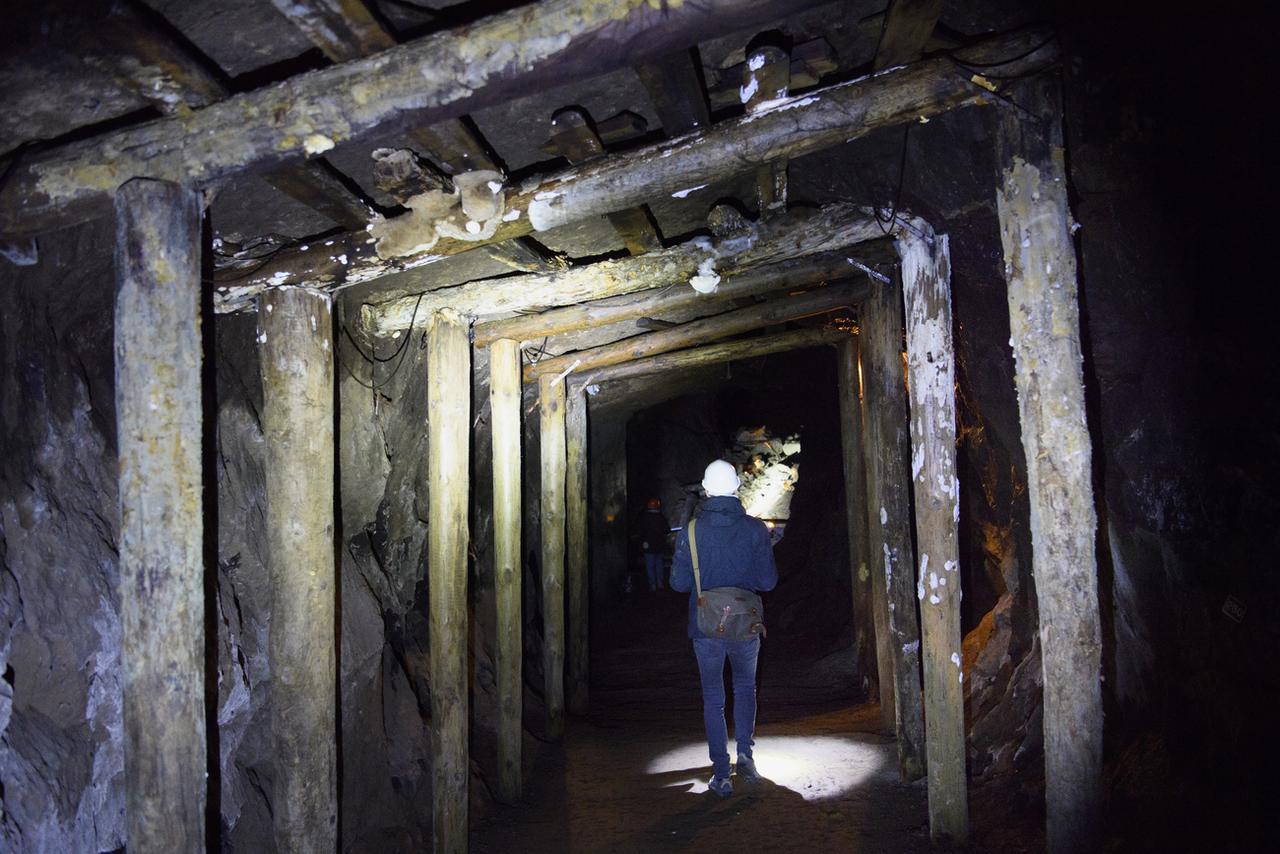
(275, 275)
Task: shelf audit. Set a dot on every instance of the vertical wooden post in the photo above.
(295, 345)
(158, 418)
(855, 496)
(448, 449)
(879, 604)
(888, 519)
(766, 77)
(551, 399)
(504, 403)
(576, 548)
(1044, 322)
(926, 289)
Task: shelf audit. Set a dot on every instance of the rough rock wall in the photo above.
(61, 748)
(1187, 463)
(61, 762)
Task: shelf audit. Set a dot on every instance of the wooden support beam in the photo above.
(147, 60)
(449, 450)
(159, 418)
(712, 354)
(439, 76)
(151, 60)
(908, 25)
(402, 174)
(319, 186)
(794, 127)
(455, 147)
(761, 281)
(810, 62)
(551, 402)
(295, 345)
(342, 29)
(504, 406)
(832, 228)
(849, 393)
(1044, 320)
(698, 331)
(886, 662)
(766, 78)
(926, 291)
(575, 139)
(888, 515)
(674, 84)
(576, 566)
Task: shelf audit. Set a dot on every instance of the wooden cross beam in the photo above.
(908, 25)
(798, 272)
(767, 78)
(674, 84)
(342, 29)
(687, 334)
(831, 228)
(712, 354)
(575, 139)
(345, 30)
(432, 78)
(152, 61)
(792, 127)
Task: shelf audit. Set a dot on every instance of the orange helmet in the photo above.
(653, 504)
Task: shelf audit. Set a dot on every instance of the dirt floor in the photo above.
(631, 776)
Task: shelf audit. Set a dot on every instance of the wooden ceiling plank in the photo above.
(832, 228)
(175, 79)
(674, 84)
(700, 331)
(810, 62)
(321, 187)
(766, 78)
(455, 147)
(797, 126)
(439, 76)
(908, 25)
(343, 29)
(712, 354)
(575, 139)
(805, 271)
(147, 60)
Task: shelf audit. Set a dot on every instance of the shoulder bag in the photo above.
(729, 613)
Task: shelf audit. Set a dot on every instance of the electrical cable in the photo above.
(400, 352)
(976, 67)
(886, 225)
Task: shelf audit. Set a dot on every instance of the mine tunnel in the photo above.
(377, 373)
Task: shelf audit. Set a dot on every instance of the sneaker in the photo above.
(746, 770)
(722, 786)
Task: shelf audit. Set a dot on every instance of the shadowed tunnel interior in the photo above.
(344, 343)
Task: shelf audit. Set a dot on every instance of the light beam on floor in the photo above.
(815, 767)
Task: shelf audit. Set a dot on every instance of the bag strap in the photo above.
(693, 554)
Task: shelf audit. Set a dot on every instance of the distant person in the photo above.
(733, 551)
(653, 531)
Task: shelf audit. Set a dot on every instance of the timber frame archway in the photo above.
(155, 174)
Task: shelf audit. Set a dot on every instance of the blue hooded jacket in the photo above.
(733, 551)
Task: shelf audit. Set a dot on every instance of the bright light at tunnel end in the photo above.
(815, 767)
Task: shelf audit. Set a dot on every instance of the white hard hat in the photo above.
(720, 479)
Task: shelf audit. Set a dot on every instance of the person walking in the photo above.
(733, 551)
(653, 543)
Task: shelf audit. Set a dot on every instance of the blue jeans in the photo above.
(653, 568)
(742, 655)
